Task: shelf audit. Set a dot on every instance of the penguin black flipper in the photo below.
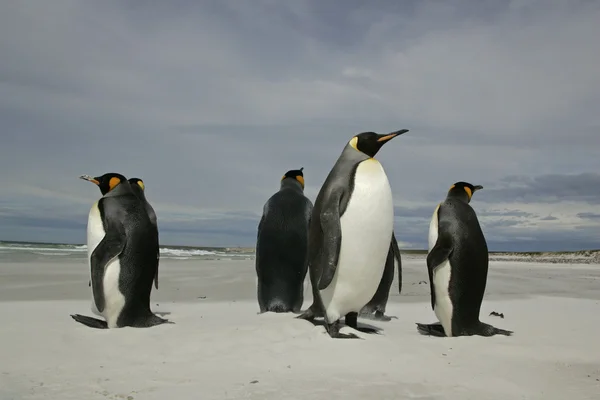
(89, 321)
(109, 248)
(152, 216)
(332, 237)
(398, 259)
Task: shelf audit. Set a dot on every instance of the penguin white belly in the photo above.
(95, 234)
(367, 226)
(443, 307)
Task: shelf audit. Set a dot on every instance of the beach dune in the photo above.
(220, 348)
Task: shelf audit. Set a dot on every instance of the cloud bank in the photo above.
(211, 102)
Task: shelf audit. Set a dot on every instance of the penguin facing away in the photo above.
(350, 233)
(281, 246)
(457, 264)
(121, 244)
(139, 187)
(375, 309)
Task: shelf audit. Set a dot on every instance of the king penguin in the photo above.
(457, 263)
(375, 309)
(350, 233)
(139, 188)
(121, 243)
(281, 246)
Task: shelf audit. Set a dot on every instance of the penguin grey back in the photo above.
(281, 248)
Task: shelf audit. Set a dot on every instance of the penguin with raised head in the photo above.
(350, 233)
(281, 246)
(457, 263)
(375, 309)
(139, 188)
(121, 244)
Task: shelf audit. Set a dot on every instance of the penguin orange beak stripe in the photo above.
(89, 178)
(392, 135)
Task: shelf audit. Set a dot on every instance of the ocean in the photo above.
(27, 251)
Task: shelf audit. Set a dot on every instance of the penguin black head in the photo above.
(370, 142)
(138, 182)
(106, 182)
(463, 190)
(295, 174)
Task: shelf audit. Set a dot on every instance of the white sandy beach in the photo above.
(219, 348)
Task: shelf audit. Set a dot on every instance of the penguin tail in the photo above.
(488, 330)
(151, 320)
(89, 321)
(431, 329)
(278, 306)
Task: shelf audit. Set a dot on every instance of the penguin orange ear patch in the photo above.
(113, 182)
(469, 192)
(141, 184)
(300, 179)
(354, 143)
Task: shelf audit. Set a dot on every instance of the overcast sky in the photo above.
(211, 102)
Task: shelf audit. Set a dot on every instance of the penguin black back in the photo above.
(139, 187)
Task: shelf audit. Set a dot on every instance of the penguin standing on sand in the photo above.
(375, 309)
(121, 244)
(281, 246)
(350, 233)
(139, 188)
(457, 264)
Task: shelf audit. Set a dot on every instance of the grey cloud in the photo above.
(549, 218)
(589, 215)
(550, 188)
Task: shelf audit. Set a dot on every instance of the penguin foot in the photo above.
(89, 321)
(309, 314)
(334, 332)
(431, 329)
(351, 320)
(376, 316)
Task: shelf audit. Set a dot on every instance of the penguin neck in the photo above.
(461, 196)
(121, 189)
(291, 184)
(350, 153)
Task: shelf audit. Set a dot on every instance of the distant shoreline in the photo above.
(242, 249)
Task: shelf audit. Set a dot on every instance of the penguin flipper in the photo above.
(396, 250)
(89, 321)
(332, 239)
(110, 247)
(438, 254)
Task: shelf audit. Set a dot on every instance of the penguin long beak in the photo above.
(477, 187)
(89, 179)
(392, 135)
